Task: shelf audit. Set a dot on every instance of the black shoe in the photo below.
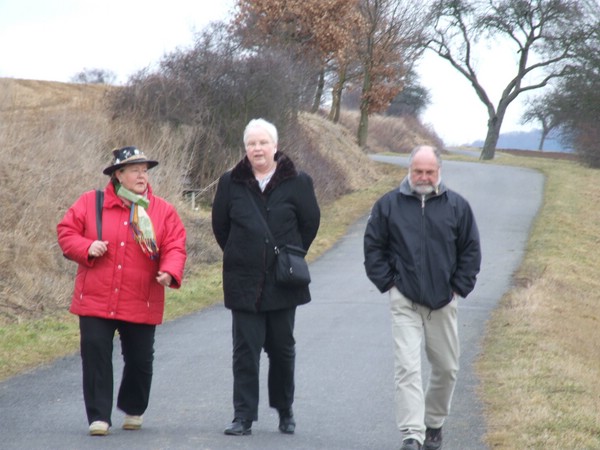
(287, 424)
(410, 444)
(433, 439)
(239, 427)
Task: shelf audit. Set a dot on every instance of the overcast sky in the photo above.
(56, 39)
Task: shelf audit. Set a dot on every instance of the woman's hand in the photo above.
(97, 249)
(164, 278)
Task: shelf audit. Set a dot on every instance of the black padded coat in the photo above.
(289, 206)
(427, 247)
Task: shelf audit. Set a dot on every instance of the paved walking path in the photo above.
(344, 392)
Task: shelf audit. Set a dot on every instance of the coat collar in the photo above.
(242, 172)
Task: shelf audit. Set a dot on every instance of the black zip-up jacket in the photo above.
(289, 206)
(426, 246)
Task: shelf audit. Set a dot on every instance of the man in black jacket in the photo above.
(421, 245)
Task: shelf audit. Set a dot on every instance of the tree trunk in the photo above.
(336, 96)
(542, 140)
(491, 139)
(363, 124)
(336, 102)
(545, 132)
(336, 115)
(493, 132)
(319, 93)
(363, 128)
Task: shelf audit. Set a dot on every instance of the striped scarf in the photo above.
(143, 230)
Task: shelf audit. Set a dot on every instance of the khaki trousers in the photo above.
(411, 324)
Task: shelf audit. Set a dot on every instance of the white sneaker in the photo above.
(132, 422)
(99, 428)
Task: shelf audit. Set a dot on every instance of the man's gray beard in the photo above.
(424, 189)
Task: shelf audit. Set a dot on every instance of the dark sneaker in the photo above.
(433, 439)
(410, 444)
(239, 427)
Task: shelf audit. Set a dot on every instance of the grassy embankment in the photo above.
(540, 363)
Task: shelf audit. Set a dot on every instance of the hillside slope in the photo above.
(17, 96)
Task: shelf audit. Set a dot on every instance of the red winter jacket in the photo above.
(121, 284)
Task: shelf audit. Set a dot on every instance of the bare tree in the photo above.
(573, 105)
(545, 34)
(393, 41)
(576, 103)
(538, 111)
(347, 70)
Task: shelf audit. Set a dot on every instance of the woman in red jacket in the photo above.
(120, 283)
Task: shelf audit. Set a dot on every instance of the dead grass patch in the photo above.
(541, 359)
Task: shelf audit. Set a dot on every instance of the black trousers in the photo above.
(273, 331)
(137, 348)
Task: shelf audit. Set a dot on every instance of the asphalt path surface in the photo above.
(344, 367)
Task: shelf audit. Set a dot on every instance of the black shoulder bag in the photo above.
(290, 266)
(99, 204)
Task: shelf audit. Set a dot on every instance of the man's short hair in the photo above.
(418, 148)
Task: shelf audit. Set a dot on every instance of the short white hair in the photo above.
(263, 125)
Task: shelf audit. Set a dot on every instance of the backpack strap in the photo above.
(99, 204)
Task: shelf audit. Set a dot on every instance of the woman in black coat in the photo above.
(263, 313)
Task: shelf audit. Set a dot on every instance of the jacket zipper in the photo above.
(422, 247)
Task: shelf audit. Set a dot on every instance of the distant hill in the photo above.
(527, 140)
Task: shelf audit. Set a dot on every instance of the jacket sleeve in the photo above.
(377, 250)
(172, 248)
(310, 215)
(220, 212)
(468, 259)
(71, 232)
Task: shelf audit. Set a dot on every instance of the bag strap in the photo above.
(264, 222)
(99, 204)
